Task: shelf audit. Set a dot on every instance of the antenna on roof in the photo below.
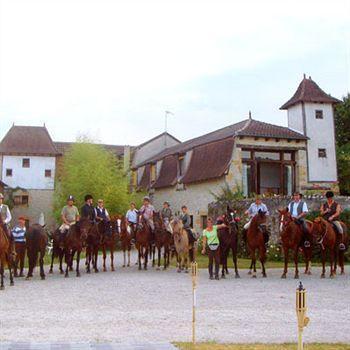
(310, 77)
(250, 115)
(304, 76)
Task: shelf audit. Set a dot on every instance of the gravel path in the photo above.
(131, 306)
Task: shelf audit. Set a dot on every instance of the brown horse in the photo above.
(57, 250)
(125, 236)
(255, 241)
(292, 239)
(36, 241)
(163, 239)
(182, 245)
(228, 237)
(93, 241)
(74, 242)
(340, 252)
(20, 248)
(326, 237)
(5, 256)
(143, 238)
(109, 233)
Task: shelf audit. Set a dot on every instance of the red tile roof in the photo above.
(209, 161)
(309, 91)
(168, 173)
(29, 140)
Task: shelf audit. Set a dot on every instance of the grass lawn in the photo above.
(213, 346)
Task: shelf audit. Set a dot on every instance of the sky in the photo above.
(110, 69)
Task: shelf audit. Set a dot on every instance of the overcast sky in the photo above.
(111, 68)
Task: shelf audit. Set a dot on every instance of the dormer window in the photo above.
(153, 172)
(25, 163)
(319, 114)
(181, 166)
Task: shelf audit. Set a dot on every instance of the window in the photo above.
(204, 221)
(21, 200)
(267, 155)
(153, 172)
(47, 172)
(8, 172)
(322, 153)
(246, 154)
(287, 156)
(181, 165)
(26, 163)
(319, 114)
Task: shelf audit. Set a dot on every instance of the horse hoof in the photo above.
(2, 288)
(145, 268)
(128, 265)
(42, 277)
(123, 265)
(12, 284)
(28, 278)
(50, 272)
(237, 275)
(342, 273)
(71, 269)
(112, 269)
(61, 272)
(223, 277)
(104, 269)
(97, 271)
(178, 270)
(323, 276)
(264, 275)
(296, 276)
(249, 272)
(88, 271)
(78, 274)
(253, 276)
(331, 276)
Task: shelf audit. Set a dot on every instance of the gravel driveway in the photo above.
(131, 306)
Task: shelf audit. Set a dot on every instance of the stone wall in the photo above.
(273, 204)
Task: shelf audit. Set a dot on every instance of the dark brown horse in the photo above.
(108, 231)
(125, 235)
(36, 241)
(326, 237)
(93, 242)
(292, 237)
(6, 258)
(143, 238)
(163, 239)
(255, 241)
(20, 248)
(228, 238)
(74, 243)
(57, 250)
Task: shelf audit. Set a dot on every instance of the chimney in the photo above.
(250, 115)
(304, 76)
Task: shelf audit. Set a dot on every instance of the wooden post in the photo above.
(194, 300)
(301, 308)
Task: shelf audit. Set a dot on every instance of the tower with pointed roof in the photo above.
(311, 112)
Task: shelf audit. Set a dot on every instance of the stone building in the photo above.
(249, 156)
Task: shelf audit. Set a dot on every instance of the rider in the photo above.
(87, 210)
(186, 221)
(254, 209)
(6, 219)
(298, 209)
(331, 210)
(101, 215)
(131, 217)
(166, 214)
(69, 216)
(147, 211)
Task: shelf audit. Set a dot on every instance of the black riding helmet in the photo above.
(329, 194)
(87, 197)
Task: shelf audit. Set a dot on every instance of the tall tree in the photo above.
(88, 168)
(342, 135)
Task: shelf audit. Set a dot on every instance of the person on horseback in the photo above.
(298, 209)
(330, 210)
(69, 215)
(254, 209)
(211, 245)
(147, 211)
(101, 215)
(131, 218)
(6, 219)
(186, 221)
(87, 210)
(167, 215)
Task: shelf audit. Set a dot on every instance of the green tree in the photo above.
(342, 132)
(88, 168)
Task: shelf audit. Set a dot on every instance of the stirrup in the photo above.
(342, 246)
(307, 244)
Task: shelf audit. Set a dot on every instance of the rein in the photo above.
(320, 242)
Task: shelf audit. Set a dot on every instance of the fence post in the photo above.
(301, 308)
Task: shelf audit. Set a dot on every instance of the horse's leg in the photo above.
(286, 257)
(224, 263)
(15, 265)
(124, 256)
(41, 262)
(71, 260)
(251, 267)
(104, 255)
(52, 259)
(153, 256)
(140, 257)
(146, 258)
(262, 253)
(111, 250)
(159, 257)
(67, 258)
(253, 264)
(331, 257)
(296, 275)
(341, 262)
(165, 256)
(61, 253)
(129, 256)
(78, 261)
(95, 256)
(21, 262)
(323, 257)
(2, 273)
(9, 264)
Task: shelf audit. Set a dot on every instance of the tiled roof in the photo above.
(30, 140)
(248, 127)
(62, 147)
(209, 161)
(309, 91)
(168, 173)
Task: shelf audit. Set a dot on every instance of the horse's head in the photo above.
(84, 227)
(319, 227)
(285, 218)
(232, 216)
(177, 225)
(158, 221)
(260, 218)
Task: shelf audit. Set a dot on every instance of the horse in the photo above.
(326, 237)
(36, 241)
(74, 242)
(255, 241)
(143, 238)
(340, 252)
(163, 238)
(292, 239)
(125, 237)
(228, 238)
(57, 250)
(181, 242)
(93, 241)
(5, 256)
(108, 240)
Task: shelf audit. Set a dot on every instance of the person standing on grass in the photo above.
(211, 245)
